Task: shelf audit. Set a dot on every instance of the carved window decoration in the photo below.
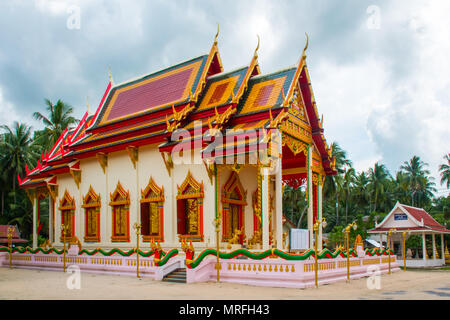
(91, 205)
(67, 208)
(190, 209)
(233, 202)
(120, 203)
(152, 212)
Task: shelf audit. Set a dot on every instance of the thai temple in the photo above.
(182, 149)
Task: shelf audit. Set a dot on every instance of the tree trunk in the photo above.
(337, 208)
(301, 217)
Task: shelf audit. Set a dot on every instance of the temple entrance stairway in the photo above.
(178, 275)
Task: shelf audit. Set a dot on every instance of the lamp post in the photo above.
(347, 235)
(405, 233)
(10, 236)
(316, 232)
(64, 230)
(216, 223)
(389, 250)
(137, 226)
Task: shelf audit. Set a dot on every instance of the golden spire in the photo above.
(306, 46)
(256, 50)
(110, 75)
(87, 105)
(217, 34)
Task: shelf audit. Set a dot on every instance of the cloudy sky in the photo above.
(379, 69)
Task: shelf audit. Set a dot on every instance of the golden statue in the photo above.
(359, 242)
(236, 238)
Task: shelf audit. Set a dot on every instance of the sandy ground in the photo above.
(33, 284)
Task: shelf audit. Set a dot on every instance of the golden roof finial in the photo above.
(110, 75)
(256, 50)
(217, 34)
(306, 46)
(87, 105)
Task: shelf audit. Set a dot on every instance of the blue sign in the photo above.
(400, 216)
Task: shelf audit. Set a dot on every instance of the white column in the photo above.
(279, 208)
(319, 209)
(310, 198)
(35, 208)
(50, 220)
(442, 247)
(279, 193)
(434, 246)
(424, 247)
(265, 207)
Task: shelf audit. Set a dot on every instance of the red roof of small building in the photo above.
(419, 214)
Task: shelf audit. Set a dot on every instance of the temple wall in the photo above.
(66, 182)
(92, 175)
(151, 164)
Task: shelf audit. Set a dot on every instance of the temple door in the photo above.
(181, 221)
(235, 222)
(145, 219)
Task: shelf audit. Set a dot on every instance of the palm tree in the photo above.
(333, 184)
(415, 171)
(347, 185)
(444, 170)
(360, 190)
(58, 120)
(378, 177)
(17, 151)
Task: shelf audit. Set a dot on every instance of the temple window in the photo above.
(67, 208)
(91, 205)
(233, 203)
(120, 203)
(190, 210)
(152, 212)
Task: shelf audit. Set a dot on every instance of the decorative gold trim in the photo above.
(168, 163)
(196, 186)
(133, 153)
(209, 170)
(119, 191)
(102, 160)
(92, 195)
(76, 175)
(67, 202)
(152, 193)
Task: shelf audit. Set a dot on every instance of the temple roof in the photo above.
(266, 91)
(147, 109)
(171, 86)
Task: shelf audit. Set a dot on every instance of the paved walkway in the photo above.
(33, 284)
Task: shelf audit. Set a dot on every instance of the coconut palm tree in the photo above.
(347, 185)
(415, 171)
(360, 190)
(333, 184)
(444, 170)
(378, 177)
(59, 118)
(17, 151)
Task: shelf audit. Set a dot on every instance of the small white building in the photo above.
(405, 218)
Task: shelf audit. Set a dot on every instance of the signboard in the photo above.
(400, 216)
(299, 239)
